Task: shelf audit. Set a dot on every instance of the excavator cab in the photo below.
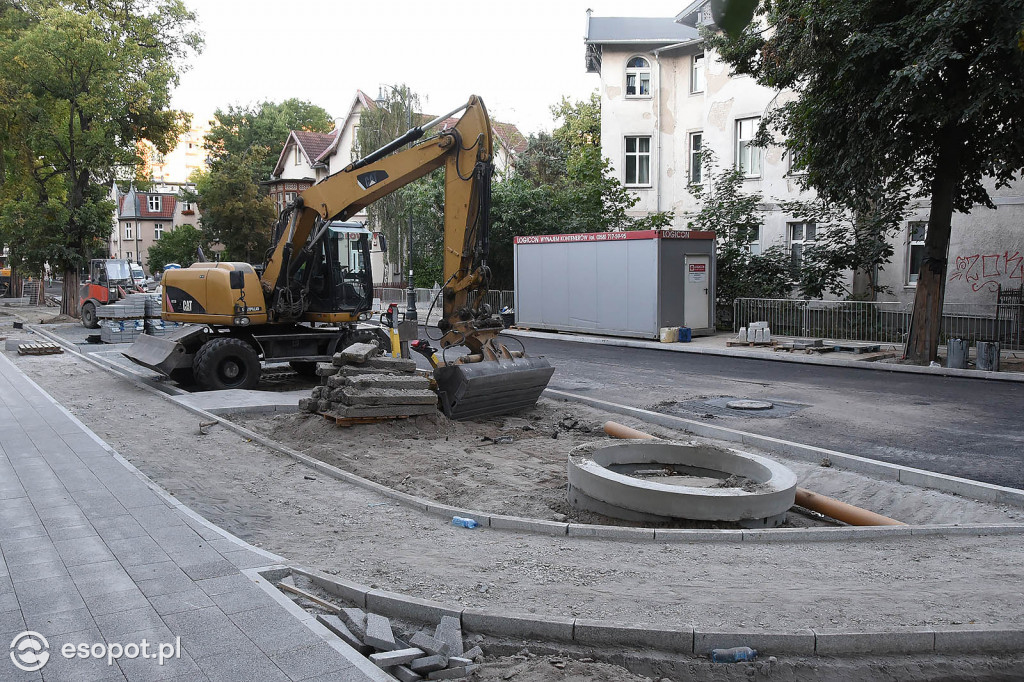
(340, 277)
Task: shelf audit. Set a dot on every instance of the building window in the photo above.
(796, 164)
(918, 232)
(154, 203)
(638, 78)
(158, 230)
(749, 239)
(128, 231)
(695, 169)
(748, 157)
(638, 161)
(298, 155)
(800, 235)
(289, 198)
(697, 82)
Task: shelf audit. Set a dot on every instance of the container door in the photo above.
(696, 301)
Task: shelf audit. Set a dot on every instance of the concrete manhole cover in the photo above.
(749, 405)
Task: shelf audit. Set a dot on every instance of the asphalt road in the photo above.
(961, 427)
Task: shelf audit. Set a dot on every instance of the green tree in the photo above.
(261, 130)
(81, 83)
(735, 217)
(235, 212)
(390, 214)
(894, 95)
(180, 246)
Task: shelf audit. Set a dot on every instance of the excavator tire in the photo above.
(89, 319)
(226, 363)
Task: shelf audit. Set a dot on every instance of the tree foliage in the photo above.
(922, 95)
(260, 131)
(81, 83)
(735, 217)
(377, 127)
(235, 211)
(180, 246)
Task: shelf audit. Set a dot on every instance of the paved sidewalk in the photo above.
(92, 554)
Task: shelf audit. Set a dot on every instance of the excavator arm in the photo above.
(465, 151)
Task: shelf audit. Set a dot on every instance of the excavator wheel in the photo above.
(227, 363)
(89, 319)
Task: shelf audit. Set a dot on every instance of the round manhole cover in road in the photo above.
(749, 405)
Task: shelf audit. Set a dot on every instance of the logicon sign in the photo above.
(29, 651)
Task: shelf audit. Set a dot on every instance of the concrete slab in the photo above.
(239, 401)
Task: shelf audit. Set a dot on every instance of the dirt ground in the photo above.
(277, 503)
(461, 464)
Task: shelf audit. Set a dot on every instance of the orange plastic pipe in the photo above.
(841, 511)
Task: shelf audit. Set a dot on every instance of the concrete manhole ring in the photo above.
(749, 405)
(597, 482)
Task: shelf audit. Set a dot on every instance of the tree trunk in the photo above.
(926, 322)
(69, 294)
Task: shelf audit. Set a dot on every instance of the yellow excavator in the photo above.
(316, 289)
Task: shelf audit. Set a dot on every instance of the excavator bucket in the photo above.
(491, 387)
(164, 354)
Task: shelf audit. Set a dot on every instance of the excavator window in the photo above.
(339, 278)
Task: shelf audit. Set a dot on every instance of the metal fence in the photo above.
(882, 322)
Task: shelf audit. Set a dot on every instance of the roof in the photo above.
(508, 134)
(638, 30)
(690, 16)
(360, 100)
(313, 145)
(135, 206)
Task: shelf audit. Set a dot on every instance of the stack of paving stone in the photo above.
(360, 385)
(440, 655)
(122, 322)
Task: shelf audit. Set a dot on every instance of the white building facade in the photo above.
(665, 99)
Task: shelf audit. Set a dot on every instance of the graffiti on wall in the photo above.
(989, 270)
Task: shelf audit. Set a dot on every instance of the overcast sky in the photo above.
(520, 57)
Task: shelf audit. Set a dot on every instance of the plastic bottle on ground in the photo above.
(464, 522)
(733, 655)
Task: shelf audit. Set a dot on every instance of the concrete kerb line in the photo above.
(522, 524)
(685, 639)
(774, 356)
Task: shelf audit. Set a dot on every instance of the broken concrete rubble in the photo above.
(361, 385)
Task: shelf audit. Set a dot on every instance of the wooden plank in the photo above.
(285, 587)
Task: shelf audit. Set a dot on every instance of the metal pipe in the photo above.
(841, 511)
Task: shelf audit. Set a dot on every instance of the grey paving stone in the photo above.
(273, 630)
(61, 669)
(9, 602)
(228, 583)
(118, 527)
(29, 551)
(215, 640)
(243, 600)
(379, 634)
(101, 578)
(245, 558)
(160, 569)
(116, 602)
(19, 517)
(11, 622)
(150, 670)
(115, 625)
(177, 602)
(23, 533)
(71, 532)
(99, 504)
(62, 517)
(137, 550)
(21, 573)
(78, 551)
(165, 584)
(449, 631)
(209, 569)
(246, 662)
(62, 623)
(51, 595)
(299, 664)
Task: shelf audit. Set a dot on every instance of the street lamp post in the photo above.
(410, 311)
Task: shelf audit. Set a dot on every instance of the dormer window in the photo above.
(154, 203)
(638, 77)
(298, 155)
